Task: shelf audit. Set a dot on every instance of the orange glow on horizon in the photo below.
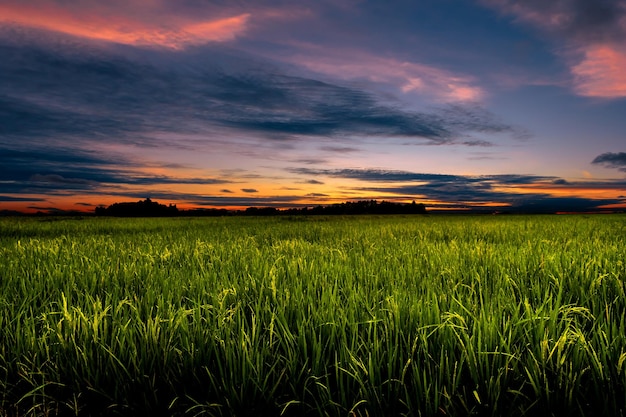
(87, 204)
(556, 190)
(197, 190)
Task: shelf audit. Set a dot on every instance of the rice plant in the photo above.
(314, 316)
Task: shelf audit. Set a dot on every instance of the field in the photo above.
(310, 316)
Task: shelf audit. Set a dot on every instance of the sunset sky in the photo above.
(214, 103)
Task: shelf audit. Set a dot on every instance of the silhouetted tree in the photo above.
(144, 208)
(149, 208)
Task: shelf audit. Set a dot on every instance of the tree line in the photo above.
(149, 208)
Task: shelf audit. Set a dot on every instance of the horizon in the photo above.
(458, 105)
(356, 207)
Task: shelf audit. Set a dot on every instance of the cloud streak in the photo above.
(59, 171)
(129, 99)
(407, 77)
(528, 193)
(103, 22)
(611, 160)
(601, 73)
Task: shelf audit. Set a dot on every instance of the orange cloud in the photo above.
(175, 33)
(601, 73)
(588, 190)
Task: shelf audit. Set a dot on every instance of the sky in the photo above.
(456, 104)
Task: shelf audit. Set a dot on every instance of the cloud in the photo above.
(478, 143)
(285, 105)
(582, 20)
(10, 198)
(54, 171)
(528, 193)
(406, 77)
(311, 161)
(612, 160)
(88, 95)
(383, 175)
(249, 190)
(59, 180)
(471, 117)
(601, 72)
(313, 182)
(547, 204)
(108, 22)
(339, 149)
(592, 35)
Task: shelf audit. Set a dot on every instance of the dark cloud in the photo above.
(163, 179)
(314, 182)
(478, 143)
(56, 171)
(596, 20)
(249, 190)
(368, 174)
(470, 194)
(311, 161)
(381, 175)
(59, 180)
(583, 20)
(612, 160)
(484, 157)
(546, 204)
(226, 190)
(459, 191)
(47, 209)
(47, 170)
(287, 105)
(11, 198)
(339, 149)
(471, 117)
(91, 94)
(216, 201)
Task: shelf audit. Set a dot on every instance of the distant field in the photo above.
(338, 316)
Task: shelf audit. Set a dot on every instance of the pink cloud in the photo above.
(405, 77)
(601, 73)
(174, 32)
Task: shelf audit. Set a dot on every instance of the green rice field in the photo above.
(433, 315)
